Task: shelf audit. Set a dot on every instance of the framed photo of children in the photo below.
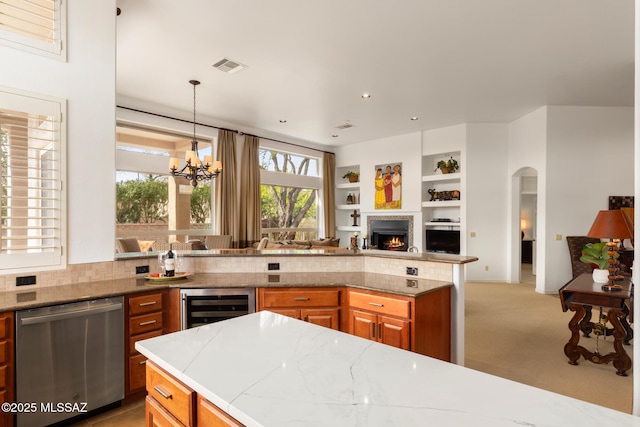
(388, 184)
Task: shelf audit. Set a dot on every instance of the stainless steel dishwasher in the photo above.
(68, 355)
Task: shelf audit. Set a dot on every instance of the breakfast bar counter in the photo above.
(264, 369)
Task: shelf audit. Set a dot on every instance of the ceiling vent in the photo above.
(229, 66)
(345, 125)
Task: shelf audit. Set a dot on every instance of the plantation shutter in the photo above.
(31, 166)
(35, 25)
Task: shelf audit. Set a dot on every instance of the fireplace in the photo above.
(390, 233)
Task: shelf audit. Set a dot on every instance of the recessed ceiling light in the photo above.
(283, 121)
(414, 118)
(334, 136)
(366, 95)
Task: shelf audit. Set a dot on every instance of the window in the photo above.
(37, 26)
(290, 185)
(32, 219)
(145, 206)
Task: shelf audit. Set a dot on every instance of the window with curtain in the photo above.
(143, 204)
(37, 26)
(32, 166)
(290, 184)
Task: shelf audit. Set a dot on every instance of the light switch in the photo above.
(473, 234)
(558, 236)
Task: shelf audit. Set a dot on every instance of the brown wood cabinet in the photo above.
(320, 306)
(171, 403)
(143, 319)
(209, 415)
(421, 324)
(7, 366)
(384, 329)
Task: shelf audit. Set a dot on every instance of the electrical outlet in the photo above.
(273, 266)
(412, 271)
(141, 269)
(558, 236)
(25, 280)
(486, 268)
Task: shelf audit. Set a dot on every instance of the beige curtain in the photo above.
(250, 212)
(226, 188)
(329, 184)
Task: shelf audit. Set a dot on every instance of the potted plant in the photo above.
(447, 166)
(353, 176)
(597, 254)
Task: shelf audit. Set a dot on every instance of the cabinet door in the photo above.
(157, 416)
(362, 324)
(327, 317)
(209, 415)
(289, 312)
(394, 332)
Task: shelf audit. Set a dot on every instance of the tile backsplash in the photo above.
(94, 272)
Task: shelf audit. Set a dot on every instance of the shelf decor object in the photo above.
(195, 169)
(447, 166)
(613, 225)
(352, 176)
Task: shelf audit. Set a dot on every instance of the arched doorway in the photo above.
(524, 227)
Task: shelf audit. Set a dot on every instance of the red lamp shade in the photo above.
(613, 224)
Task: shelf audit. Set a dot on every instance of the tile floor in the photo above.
(131, 415)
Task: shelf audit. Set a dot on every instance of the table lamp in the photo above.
(613, 225)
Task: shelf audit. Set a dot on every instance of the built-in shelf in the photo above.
(441, 203)
(348, 185)
(448, 177)
(348, 228)
(347, 207)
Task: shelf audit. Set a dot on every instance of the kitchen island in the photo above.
(265, 369)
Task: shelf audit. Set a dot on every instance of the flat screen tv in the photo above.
(446, 241)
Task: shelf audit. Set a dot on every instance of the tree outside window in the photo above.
(289, 212)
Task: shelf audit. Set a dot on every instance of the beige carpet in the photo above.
(515, 333)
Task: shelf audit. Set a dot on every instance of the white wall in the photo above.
(487, 206)
(87, 80)
(589, 158)
(403, 149)
(527, 149)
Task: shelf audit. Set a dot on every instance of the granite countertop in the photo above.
(424, 256)
(43, 296)
(269, 370)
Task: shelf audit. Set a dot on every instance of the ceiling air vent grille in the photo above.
(344, 126)
(229, 66)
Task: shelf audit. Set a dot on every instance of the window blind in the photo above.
(35, 25)
(31, 165)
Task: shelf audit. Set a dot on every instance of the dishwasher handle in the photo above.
(70, 314)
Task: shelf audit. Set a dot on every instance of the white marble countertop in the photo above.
(269, 370)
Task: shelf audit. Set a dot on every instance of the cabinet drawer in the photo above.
(380, 304)
(145, 304)
(145, 323)
(5, 325)
(301, 298)
(210, 415)
(157, 416)
(4, 352)
(134, 339)
(137, 370)
(174, 396)
(4, 380)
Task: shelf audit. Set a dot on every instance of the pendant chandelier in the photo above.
(195, 169)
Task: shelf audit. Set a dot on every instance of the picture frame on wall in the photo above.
(388, 186)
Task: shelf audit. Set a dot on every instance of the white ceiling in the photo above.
(308, 62)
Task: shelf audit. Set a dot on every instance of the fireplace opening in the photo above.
(390, 235)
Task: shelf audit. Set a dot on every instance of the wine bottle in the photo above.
(170, 263)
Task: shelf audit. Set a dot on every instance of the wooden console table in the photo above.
(580, 295)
